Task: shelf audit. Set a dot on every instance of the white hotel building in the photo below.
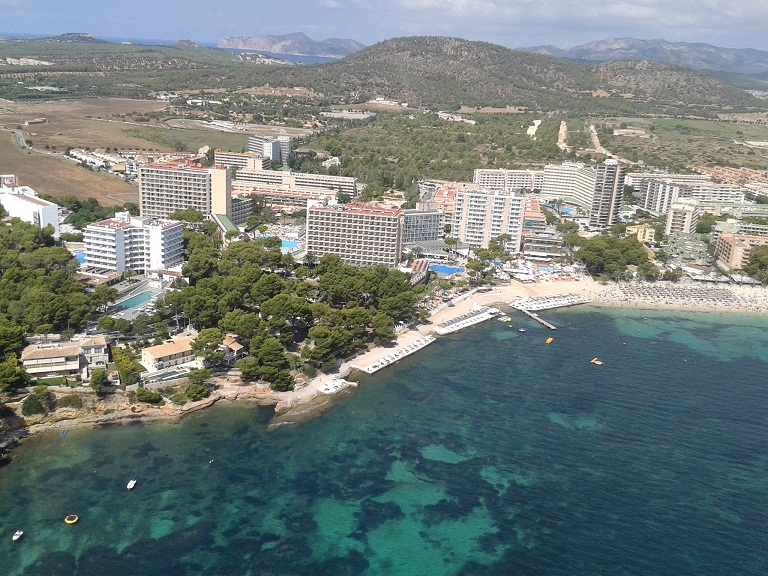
(502, 179)
(167, 188)
(361, 236)
(482, 215)
(572, 181)
(128, 242)
(22, 202)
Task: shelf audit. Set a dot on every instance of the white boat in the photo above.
(18, 534)
(521, 329)
(131, 484)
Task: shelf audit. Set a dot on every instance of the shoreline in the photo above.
(307, 401)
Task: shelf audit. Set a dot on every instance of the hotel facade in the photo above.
(361, 236)
(167, 188)
(480, 216)
(128, 242)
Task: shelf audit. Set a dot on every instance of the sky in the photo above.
(510, 23)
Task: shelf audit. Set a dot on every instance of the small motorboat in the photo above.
(71, 519)
(131, 484)
(521, 329)
(597, 362)
(18, 534)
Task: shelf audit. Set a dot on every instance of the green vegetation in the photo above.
(70, 401)
(609, 257)
(148, 396)
(758, 264)
(197, 392)
(99, 380)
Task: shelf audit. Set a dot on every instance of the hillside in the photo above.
(297, 44)
(446, 73)
(698, 56)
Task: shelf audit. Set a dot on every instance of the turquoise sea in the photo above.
(488, 453)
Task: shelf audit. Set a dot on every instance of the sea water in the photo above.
(487, 453)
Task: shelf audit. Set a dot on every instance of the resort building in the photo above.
(361, 236)
(241, 160)
(481, 216)
(76, 357)
(732, 226)
(683, 216)
(608, 194)
(271, 181)
(51, 360)
(542, 246)
(508, 180)
(422, 225)
(167, 188)
(22, 202)
(733, 251)
(178, 351)
(643, 232)
(128, 242)
(636, 179)
(272, 148)
(573, 182)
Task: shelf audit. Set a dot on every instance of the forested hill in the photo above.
(449, 72)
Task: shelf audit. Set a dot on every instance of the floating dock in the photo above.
(477, 315)
(396, 355)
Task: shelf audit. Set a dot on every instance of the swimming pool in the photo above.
(79, 255)
(447, 270)
(543, 269)
(135, 301)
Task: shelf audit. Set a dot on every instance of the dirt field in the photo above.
(58, 177)
(91, 123)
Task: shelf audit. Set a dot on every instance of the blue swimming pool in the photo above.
(447, 270)
(79, 255)
(134, 301)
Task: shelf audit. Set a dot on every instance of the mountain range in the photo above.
(298, 44)
(698, 56)
(430, 71)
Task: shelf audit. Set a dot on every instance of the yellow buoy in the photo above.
(550, 340)
(71, 519)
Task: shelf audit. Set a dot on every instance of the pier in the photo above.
(539, 320)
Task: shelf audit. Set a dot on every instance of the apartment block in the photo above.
(241, 160)
(608, 194)
(572, 181)
(22, 202)
(281, 181)
(683, 216)
(128, 242)
(361, 236)
(733, 251)
(509, 180)
(480, 216)
(167, 188)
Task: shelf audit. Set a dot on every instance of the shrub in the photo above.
(70, 401)
(144, 395)
(32, 406)
(197, 392)
(310, 371)
(179, 399)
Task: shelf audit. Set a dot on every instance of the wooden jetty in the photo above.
(539, 320)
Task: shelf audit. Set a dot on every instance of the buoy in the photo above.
(71, 519)
(550, 340)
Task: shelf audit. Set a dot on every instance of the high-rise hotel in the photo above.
(482, 215)
(167, 188)
(608, 194)
(360, 235)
